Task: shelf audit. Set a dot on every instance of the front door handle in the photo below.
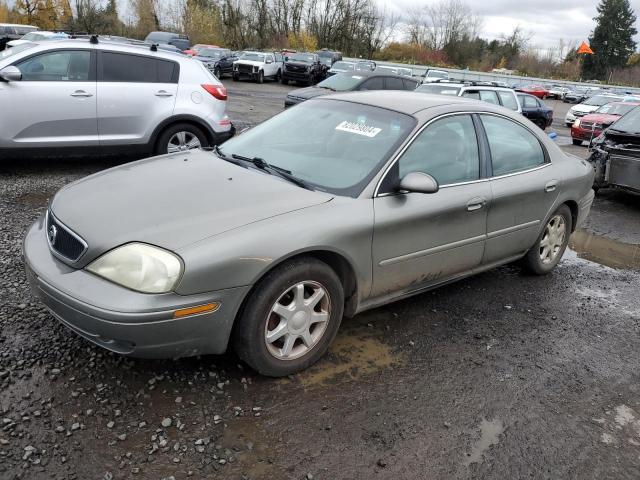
(551, 186)
(81, 93)
(476, 204)
(163, 93)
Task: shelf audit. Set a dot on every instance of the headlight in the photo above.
(140, 267)
(576, 124)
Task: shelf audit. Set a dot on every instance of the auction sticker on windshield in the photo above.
(359, 129)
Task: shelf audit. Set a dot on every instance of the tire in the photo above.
(257, 318)
(284, 81)
(217, 73)
(171, 135)
(568, 124)
(278, 75)
(260, 78)
(576, 142)
(533, 261)
(235, 77)
(542, 125)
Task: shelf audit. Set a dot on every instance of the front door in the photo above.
(424, 239)
(54, 105)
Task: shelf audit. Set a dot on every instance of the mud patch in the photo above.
(34, 199)
(490, 432)
(605, 251)
(352, 355)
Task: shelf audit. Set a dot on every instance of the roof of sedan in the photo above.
(405, 102)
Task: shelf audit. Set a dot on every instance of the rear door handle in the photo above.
(551, 186)
(81, 93)
(476, 204)
(163, 93)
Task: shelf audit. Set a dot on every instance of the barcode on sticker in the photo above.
(359, 128)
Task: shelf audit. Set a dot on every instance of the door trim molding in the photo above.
(515, 228)
(429, 251)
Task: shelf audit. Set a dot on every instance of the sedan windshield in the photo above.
(301, 57)
(253, 57)
(14, 50)
(616, 108)
(439, 89)
(343, 66)
(599, 100)
(630, 123)
(339, 151)
(343, 82)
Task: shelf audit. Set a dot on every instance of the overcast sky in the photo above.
(547, 21)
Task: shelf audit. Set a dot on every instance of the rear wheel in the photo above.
(291, 318)
(179, 138)
(551, 244)
(576, 142)
(541, 124)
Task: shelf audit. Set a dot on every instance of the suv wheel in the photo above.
(291, 318)
(235, 77)
(179, 138)
(551, 244)
(278, 76)
(217, 72)
(260, 76)
(576, 141)
(284, 81)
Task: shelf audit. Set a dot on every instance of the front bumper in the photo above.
(584, 134)
(569, 117)
(124, 321)
(297, 76)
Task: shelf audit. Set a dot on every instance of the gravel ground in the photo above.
(498, 376)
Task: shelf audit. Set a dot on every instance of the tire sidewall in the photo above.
(163, 139)
(249, 333)
(533, 262)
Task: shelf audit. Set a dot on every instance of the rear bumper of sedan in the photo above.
(124, 321)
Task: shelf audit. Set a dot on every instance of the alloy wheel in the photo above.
(297, 320)
(182, 141)
(553, 239)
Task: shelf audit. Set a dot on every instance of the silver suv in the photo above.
(505, 97)
(96, 96)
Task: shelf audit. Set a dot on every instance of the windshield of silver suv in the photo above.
(338, 152)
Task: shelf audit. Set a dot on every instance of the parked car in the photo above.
(558, 91)
(37, 36)
(303, 67)
(433, 74)
(580, 94)
(141, 100)
(12, 31)
(381, 197)
(589, 105)
(590, 126)
(332, 55)
(351, 82)
(193, 51)
(176, 39)
(535, 90)
(258, 65)
(615, 155)
(217, 60)
(536, 110)
(405, 72)
(341, 67)
(365, 65)
(505, 97)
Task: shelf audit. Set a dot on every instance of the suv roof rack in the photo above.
(94, 39)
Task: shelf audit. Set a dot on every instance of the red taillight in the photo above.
(218, 91)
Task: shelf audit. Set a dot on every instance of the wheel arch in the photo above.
(182, 118)
(573, 208)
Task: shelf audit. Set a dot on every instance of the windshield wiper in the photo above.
(221, 155)
(327, 88)
(273, 170)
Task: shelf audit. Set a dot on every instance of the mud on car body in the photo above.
(616, 154)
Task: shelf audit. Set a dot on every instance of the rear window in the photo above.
(508, 100)
(122, 67)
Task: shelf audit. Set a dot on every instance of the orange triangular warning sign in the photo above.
(584, 48)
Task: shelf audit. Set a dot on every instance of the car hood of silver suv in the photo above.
(173, 201)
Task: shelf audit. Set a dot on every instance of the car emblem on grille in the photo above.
(52, 233)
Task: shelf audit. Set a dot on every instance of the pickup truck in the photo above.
(258, 66)
(303, 67)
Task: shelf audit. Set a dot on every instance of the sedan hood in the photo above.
(584, 108)
(173, 201)
(600, 118)
(309, 92)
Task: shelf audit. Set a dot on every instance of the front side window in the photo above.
(447, 150)
(513, 147)
(58, 66)
(344, 146)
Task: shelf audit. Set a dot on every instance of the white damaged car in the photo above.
(258, 66)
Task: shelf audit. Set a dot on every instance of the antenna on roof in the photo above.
(93, 39)
(154, 47)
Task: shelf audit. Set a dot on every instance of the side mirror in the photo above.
(419, 182)
(286, 59)
(11, 74)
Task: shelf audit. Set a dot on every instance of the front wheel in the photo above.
(217, 73)
(235, 77)
(260, 77)
(576, 142)
(290, 318)
(278, 76)
(284, 81)
(551, 244)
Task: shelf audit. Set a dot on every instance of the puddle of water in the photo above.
(351, 356)
(605, 251)
(490, 432)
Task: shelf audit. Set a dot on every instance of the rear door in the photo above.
(135, 94)
(54, 105)
(423, 239)
(524, 187)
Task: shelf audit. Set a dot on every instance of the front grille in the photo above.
(296, 69)
(579, 114)
(586, 125)
(63, 241)
(242, 68)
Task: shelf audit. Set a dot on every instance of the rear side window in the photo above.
(513, 147)
(122, 67)
(373, 84)
(508, 100)
(489, 96)
(410, 84)
(394, 84)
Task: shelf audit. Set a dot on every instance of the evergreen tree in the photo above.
(612, 39)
